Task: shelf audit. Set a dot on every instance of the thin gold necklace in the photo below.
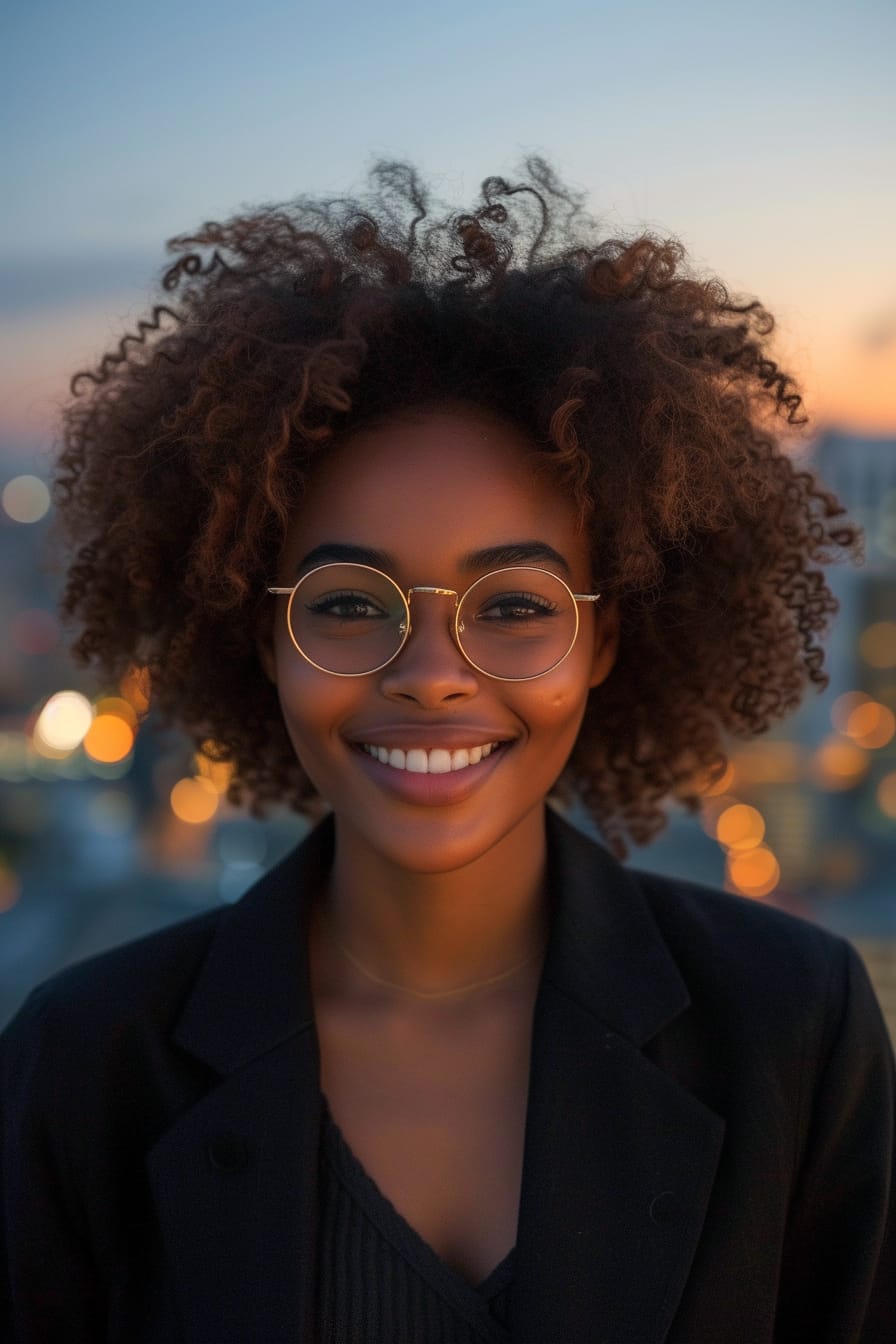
(424, 993)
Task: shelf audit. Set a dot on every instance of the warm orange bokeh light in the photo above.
(886, 795)
(114, 704)
(754, 872)
(877, 644)
(108, 739)
(839, 764)
(194, 800)
(844, 705)
(871, 724)
(711, 809)
(740, 827)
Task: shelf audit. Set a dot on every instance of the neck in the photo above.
(440, 931)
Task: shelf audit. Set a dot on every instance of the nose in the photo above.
(430, 670)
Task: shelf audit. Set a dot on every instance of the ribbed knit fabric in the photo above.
(379, 1282)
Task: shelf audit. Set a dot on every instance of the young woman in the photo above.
(431, 521)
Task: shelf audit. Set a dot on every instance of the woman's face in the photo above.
(424, 496)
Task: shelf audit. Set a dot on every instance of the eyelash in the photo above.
(535, 605)
(327, 605)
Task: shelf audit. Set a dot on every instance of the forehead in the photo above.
(432, 487)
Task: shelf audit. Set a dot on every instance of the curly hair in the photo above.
(649, 389)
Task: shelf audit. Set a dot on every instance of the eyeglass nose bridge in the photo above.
(439, 592)
(433, 592)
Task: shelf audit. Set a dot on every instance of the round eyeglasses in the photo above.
(513, 624)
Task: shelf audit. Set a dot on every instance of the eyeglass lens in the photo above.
(514, 623)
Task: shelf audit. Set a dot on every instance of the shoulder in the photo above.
(150, 979)
(696, 919)
(764, 969)
(142, 982)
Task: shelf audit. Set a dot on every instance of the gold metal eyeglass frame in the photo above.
(457, 628)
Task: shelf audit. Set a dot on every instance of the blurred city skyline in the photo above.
(761, 137)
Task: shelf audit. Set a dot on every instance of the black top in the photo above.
(379, 1280)
(709, 1127)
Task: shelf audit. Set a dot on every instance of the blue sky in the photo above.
(762, 134)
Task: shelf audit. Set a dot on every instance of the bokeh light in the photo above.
(25, 499)
(886, 795)
(194, 800)
(740, 827)
(108, 739)
(877, 644)
(711, 809)
(844, 705)
(871, 724)
(63, 722)
(754, 872)
(839, 764)
(123, 709)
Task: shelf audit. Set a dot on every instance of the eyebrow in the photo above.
(489, 557)
(338, 552)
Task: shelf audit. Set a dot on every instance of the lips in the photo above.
(429, 764)
(429, 760)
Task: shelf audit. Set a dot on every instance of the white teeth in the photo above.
(439, 761)
(436, 761)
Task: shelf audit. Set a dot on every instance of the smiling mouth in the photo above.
(435, 761)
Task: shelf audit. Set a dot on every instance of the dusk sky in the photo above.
(761, 135)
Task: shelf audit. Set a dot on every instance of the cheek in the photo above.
(557, 704)
(312, 705)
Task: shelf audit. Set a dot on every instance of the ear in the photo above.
(606, 643)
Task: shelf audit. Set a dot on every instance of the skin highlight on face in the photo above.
(422, 495)
(441, 863)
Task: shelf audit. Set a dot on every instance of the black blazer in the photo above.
(708, 1137)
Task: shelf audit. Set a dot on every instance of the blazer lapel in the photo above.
(235, 1178)
(619, 1159)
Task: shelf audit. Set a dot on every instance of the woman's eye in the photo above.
(346, 607)
(513, 608)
